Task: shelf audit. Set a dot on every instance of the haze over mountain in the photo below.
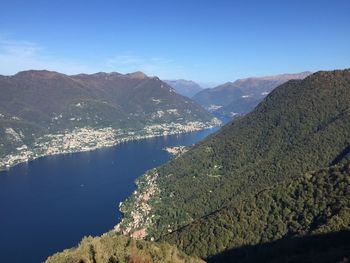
(184, 87)
(38, 107)
(241, 96)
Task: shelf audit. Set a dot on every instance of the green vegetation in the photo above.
(111, 248)
(302, 126)
(316, 203)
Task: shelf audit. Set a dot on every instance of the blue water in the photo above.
(50, 203)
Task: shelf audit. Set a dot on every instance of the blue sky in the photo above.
(206, 41)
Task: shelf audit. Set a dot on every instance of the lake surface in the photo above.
(50, 203)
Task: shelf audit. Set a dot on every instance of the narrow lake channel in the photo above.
(50, 203)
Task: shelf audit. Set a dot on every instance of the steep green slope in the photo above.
(111, 248)
(301, 126)
(315, 203)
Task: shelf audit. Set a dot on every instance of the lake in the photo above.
(49, 204)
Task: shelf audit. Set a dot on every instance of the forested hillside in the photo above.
(313, 204)
(302, 126)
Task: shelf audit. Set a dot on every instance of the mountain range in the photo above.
(37, 108)
(239, 97)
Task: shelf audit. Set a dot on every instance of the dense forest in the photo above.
(315, 203)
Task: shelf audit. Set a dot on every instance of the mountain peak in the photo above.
(137, 75)
(104, 74)
(38, 73)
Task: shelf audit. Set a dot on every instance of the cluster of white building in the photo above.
(139, 218)
(78, 140)
(175, 127)
(87, 139)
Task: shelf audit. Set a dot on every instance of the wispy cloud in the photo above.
(21, 48)
(24, 55)
(17, 55)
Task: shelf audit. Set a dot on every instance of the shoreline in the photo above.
(113, 144)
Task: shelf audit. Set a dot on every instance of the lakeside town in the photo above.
(87, 139)
(136, 209)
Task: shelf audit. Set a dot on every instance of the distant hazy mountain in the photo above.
(186, 88)
(241, 96)
(219, 96)
(35, 104)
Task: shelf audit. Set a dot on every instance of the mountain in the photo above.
(279, 173)
(186, 88)
(45, 112)
(214, 98)
(241, 96)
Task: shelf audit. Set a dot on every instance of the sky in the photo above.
(208, 41)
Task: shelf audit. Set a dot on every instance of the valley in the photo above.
(175, 131)
(244, 179)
